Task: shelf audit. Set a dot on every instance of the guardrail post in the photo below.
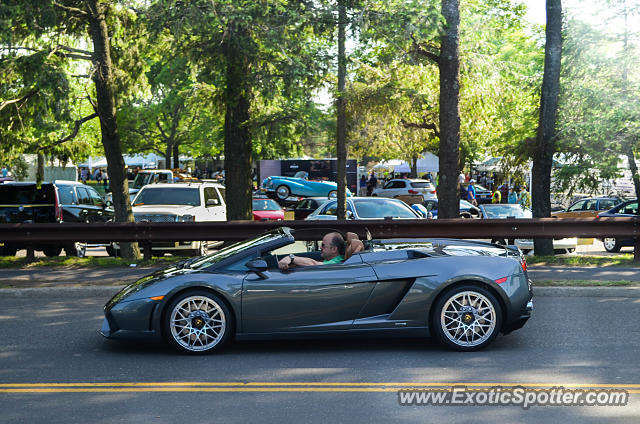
(146, 248)
(31, 253)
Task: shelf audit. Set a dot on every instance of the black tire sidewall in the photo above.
(436, 329)
(229, 327)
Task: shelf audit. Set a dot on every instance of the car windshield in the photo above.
(235, 249)
(465, 205)
(367, 208)
(22, 194)
(168, 196)
(265, 205)
(499, 211)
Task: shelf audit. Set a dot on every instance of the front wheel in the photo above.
(52, 251)
(282, 192)
(332, 194)
(611, 245)
(197, 322)
(466, 318)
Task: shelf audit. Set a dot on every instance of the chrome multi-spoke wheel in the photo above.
(283, 192)
(198, 322)
(467, 318)
(611, 244)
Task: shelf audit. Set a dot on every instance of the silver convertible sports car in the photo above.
(462, 293)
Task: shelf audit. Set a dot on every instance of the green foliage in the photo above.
(599, 112)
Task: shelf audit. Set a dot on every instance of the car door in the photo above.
(214, 205)
(84, 204)
(574, 211)
(98, 211)
(70, 204)
(313, 298)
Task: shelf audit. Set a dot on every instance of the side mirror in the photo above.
(259, 266)
(213, 202)
(108, 203)
(349, 215)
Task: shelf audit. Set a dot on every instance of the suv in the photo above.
(408, 190)
(179, 202)
(59, 201)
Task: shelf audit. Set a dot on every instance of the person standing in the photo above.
(496, 197)
(471, 193)
(461, 178)
(5, 172)
(513, 196)
(523, 197)
(363, 186)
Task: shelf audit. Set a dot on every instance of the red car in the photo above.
(266, 210)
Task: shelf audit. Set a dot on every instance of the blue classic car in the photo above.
(299, 185)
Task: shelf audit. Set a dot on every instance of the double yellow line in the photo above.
(226, 386)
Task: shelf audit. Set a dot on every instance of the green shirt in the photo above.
(335, 260)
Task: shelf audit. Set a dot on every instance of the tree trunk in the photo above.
(167, 154)
(106, 109)
(545, 138)
(176, 155)
(40, 167)
(237, 139)
(414, 167)
(341, 148)
(449, 151)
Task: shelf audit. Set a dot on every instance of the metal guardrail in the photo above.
(148, 232)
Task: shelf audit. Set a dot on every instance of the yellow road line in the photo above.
(227, 386)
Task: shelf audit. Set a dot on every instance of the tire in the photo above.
(76, 249)
(332, 194)
(282, 192)
(8, 251)
(52, 251)
(611, 244)
(466, 318)
(185, 322)
(112, 251)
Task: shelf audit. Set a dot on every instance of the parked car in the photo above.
(299, 185)
(265, 209)
(305, 206)
(462, 293)
(409, 190)
(467, 210)
(516, 211)
(483, 194)
(366, 208)
(51, 202)
(180, 202)
(625, 209)
(588, 208)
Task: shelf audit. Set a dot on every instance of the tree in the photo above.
(36, 22)
(545, 138)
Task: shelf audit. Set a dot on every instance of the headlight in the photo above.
(186, 218)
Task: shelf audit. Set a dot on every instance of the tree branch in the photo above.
(21, 99)
(72, 10)
(74, 133)
(424, 125)
(420, 49)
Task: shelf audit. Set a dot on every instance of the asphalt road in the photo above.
(56, 368)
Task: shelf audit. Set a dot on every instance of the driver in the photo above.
(332, 249)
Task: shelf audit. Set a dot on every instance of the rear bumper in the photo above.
(520, 321)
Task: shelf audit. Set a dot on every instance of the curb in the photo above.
(108, 291)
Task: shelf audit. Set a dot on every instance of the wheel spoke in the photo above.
(472, 333)
(183, 325)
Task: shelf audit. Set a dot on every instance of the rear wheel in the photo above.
(333, 194)
(466, 318)
(282, 192)
(76, 249)
(611, 245)
(52, 251)
(197, 322)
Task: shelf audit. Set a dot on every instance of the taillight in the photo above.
(433, 192)
(413, 192)
(523, 264)
(58, 209)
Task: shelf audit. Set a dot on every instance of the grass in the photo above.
(596, 261)
(87, 262)
(582, 283)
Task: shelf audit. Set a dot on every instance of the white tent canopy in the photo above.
(427, 163)
(148, 161)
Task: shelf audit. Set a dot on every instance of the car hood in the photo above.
(259, 215)
(167, 209)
